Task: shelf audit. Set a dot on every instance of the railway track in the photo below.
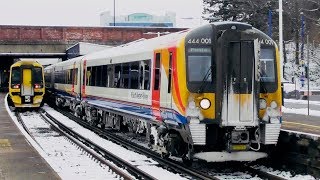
(169, 163)
(80, 141)
(98, 154)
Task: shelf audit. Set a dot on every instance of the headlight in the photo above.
(205, 103)
(263, 104)
(274, 104)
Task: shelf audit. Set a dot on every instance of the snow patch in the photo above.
(232, 156)
(303, 111)
(283, 174)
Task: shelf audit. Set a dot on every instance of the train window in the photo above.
(98, 76)
(104, 76)
(125, 75)
(69, 76)
(37, 75)
(47, 77)
(267, 70)
(88, 76)
(198, 67)
(110, 79)
(16, 75)
(157, 72)
(146, 75)
(75, 76)
(93, 76)
(134, 75)
(117, 76)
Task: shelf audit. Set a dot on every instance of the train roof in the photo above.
(21, 63)
(64, 63)
(138, 46)
(147, 45)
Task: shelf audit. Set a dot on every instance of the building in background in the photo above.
(138, 20)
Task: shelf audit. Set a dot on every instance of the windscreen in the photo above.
(198, 67)
(16, 75)
(37, 75)
(267, 70)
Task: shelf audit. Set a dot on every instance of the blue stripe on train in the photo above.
(142, 111)
(139, 110)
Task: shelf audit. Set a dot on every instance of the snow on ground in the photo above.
(301, 101)
(69, 161)
(283, 174)
(237, 176)
(144, 163)
(297, 133)
(59, 153)
(303, 111)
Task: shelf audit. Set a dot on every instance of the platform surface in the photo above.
(299, 122)
(18, 159)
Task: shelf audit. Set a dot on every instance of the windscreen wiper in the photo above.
(204, 80)
(262, 84)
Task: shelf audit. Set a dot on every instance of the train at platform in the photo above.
(26, 85)
(211, 93)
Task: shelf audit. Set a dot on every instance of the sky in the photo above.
(87, 13)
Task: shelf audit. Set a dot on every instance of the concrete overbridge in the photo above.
(52, 41)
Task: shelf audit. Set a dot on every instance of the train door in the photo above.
(156, 82)
(166, 71)
(27, 88)
(240, 96)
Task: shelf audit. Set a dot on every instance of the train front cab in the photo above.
(26, 84)
(239, 123)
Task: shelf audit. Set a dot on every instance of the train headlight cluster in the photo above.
(263, 104)
(205, 104)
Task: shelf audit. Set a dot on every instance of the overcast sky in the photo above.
(87, 13)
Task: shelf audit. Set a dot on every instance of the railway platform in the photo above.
(18, 159)
(301, 123)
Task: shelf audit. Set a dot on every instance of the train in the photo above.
(211, 93)
(26, 85)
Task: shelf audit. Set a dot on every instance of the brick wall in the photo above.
(101, 35)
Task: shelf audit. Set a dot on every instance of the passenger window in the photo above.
(125, 75)
(117, 76)
(93, 76)
(157, 72)
(98, 76)
(69, 76)
(134, 75)
(104, 76)
(110, 82)
(146, 72)
(88, 76)
(75, 76)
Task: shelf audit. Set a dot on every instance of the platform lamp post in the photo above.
(114, 12)
(281, 38)
(308, 73)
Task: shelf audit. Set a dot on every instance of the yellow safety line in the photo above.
(5, 143)
(287, 122)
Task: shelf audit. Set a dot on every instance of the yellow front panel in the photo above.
(27, 78)
(276, 96)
